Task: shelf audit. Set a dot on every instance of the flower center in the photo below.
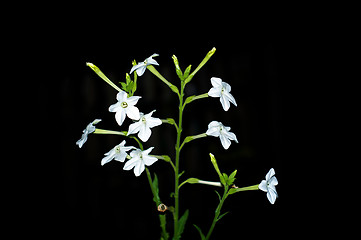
(143, 119)
(117, 149)
(124, 105)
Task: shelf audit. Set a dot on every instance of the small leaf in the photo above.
(224, 214)
(232, 178)
(156, 198)
(200, 232)
(219, 196)
(181, 223)
(187, 71)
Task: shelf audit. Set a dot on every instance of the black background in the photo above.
(71, 194)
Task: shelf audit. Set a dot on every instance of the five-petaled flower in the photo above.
(217, 129)
(143, 126)
(221, 89)
(268, 186)
(89, 129)
(140, 67)
(118, 153)
(139, 159)
(125, 107)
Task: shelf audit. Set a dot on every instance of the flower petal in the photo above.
(230, 98)
(271, 195)
(216, 82)
(139, 168)
(108, 158)
(115, 107)
(214, 131)
(270, 173)
(146, 152)
(141, 70)
(225, 141)
(131, 163)
(263, 186)
(133, 100)
(122, 96)
(120, 156)
(144, 133)
(133, 112)
(136, 67)
(224, 102)
(149, 160)
(152, 61)
(273, 181)
(134, 128)
(214, 92)
(120, 116)
(153, 122)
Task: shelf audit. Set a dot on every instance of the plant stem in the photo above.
(218, 211)
(177, 148)
(157, 203)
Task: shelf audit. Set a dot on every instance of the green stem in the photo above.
(217, 213)
(177, 148)
(191, 138)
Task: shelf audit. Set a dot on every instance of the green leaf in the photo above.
(187, 71)
(156, 198)
(200, 232)
(224, 214)
(181, 223)
(232, 178)
(219, 196)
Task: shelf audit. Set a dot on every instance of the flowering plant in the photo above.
(140, 160)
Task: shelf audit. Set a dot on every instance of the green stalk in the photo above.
(217, 213)
(177, 148)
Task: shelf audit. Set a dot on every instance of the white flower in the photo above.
(125, 106)
(221, 89)
(140, 67)
(143, 126)
(118, 153)
(268, 186)
(88, 130)
(138, 160)
(217, 129)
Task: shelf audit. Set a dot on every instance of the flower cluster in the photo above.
(126, 107)
(137, 159)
